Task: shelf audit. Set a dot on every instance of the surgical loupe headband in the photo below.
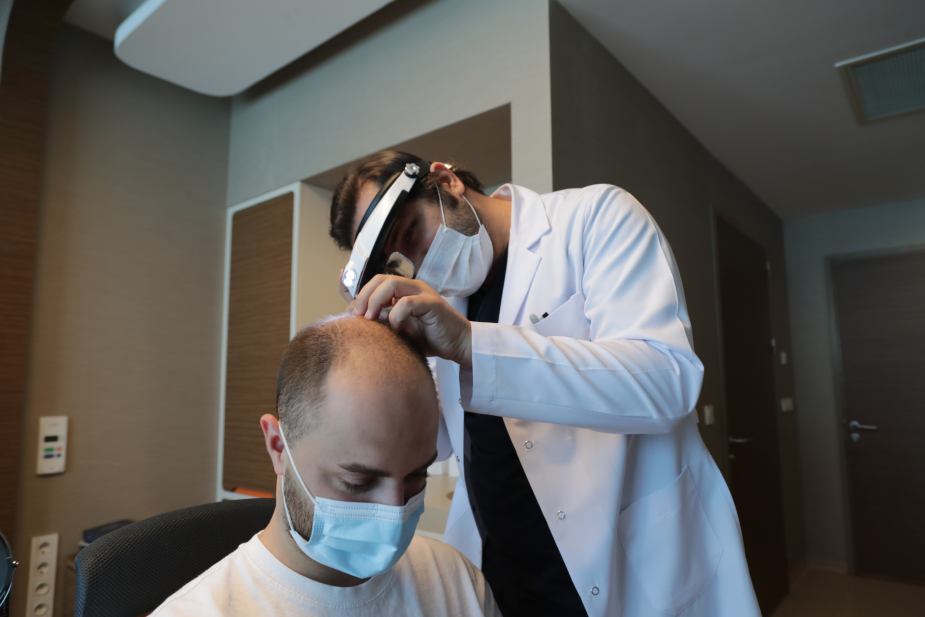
(368, 256)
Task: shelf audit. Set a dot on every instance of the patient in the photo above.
(357, 428)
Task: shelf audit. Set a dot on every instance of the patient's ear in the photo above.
(269, 424)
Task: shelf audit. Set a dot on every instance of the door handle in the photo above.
(740, 441)
(854, 425)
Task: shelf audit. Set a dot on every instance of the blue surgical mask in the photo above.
(360, 539)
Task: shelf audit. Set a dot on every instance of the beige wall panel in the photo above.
(126, 326)
(320, 261)
(411, 68)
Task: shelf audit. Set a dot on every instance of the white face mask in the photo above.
(457, 264)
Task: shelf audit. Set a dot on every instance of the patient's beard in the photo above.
(300, 508)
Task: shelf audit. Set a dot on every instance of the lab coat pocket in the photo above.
(671, 545)
(567, 319)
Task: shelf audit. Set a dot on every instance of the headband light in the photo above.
(367, 258)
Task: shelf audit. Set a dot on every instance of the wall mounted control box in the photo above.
(52, 451)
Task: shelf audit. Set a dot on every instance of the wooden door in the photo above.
(751, 406)
(879, 305)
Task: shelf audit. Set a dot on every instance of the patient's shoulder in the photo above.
(208, 593)
(445, 579)
(426, 549)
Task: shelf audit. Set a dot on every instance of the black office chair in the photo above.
(132, 570)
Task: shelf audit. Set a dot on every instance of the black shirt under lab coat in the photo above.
(520, 559)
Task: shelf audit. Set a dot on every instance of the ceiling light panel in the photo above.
(221, 47)
(886, 83)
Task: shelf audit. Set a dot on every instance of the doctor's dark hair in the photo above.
(318, 348)
(378, 168)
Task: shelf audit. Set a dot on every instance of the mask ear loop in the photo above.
(471, 207)
(286, 505)
(295, 471)
(440, 199)
(466, 199)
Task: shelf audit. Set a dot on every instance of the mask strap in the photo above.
(466, 199)
(471, 207)
(440, 199)
(286, 505)
(295, 470)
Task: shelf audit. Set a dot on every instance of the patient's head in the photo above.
(359, 411)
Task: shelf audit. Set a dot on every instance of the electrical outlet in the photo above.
(43, 566)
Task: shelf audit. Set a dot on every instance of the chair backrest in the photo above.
(132, 570)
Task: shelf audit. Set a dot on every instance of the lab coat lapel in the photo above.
(529, 222)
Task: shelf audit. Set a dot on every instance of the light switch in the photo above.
(786, 405)
(709, 415)
(783, 358)
(52, 448)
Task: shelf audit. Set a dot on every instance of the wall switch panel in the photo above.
(43, 565)
(786, 405)
(52, 451)
(709, 415)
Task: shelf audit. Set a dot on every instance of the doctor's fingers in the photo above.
(438, 327)
(405, 317)
(381, 291)
(413, 308)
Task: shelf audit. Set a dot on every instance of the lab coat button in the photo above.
(560, 515)
(528, 445)
(595, 591)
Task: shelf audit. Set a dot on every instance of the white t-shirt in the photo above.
(430, 579)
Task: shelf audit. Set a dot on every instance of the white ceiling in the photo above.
(101, 17)
(222, 47)
(754, 82)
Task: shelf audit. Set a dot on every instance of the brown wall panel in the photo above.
(23, 102)
(258, 330)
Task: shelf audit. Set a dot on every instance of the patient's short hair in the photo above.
(327, 344)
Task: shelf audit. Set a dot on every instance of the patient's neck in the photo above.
(278, 541)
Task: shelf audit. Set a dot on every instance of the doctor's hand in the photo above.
(418, 311)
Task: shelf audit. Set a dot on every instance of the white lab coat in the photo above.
(598, 399)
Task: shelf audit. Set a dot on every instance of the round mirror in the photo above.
(7, 565)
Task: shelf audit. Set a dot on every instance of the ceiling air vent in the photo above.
(886, 83)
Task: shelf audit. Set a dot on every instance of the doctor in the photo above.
(568, 382)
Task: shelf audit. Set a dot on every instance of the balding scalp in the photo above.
(346, 342)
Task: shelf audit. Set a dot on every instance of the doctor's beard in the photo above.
(459, 215)
(300, 508)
